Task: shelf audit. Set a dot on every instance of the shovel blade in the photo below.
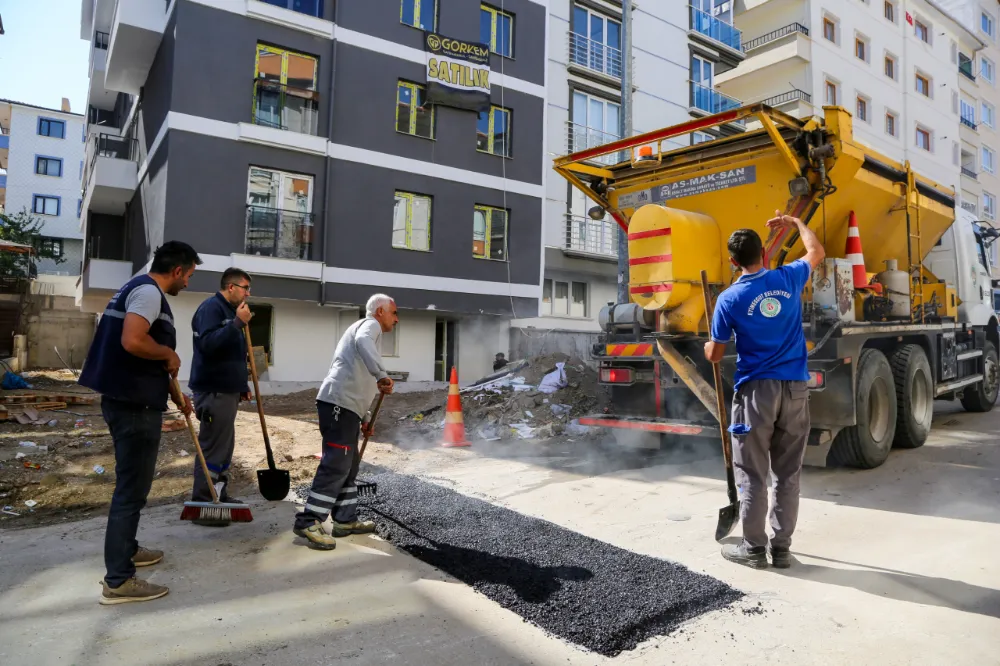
(728, 517)
(273, 483)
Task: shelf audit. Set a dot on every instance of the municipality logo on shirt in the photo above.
(769, 305)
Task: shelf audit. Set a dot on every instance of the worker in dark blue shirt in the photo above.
(219, 382)
(770, 419)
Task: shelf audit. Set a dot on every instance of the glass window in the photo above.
(923, 86)
(53, 128)
(989, 205)
(560, 300)
(862, 109)
(547, 297)
(922, 32)
(489, 233)
(390, 345)
(987, 69)
(595, 42)
(890, 67)
(923, 139)
(496, 28)
(48, 166)
(310, 7)
(831, 93)
(890, 124)
(411, 222)
(493, 131)
(285, 92)
(413, 114)
(861, 49)
(889, 11)
(968, 112)
(45, 205)
(987, 24)
(829, 30)
(578, 300)
(989, 160)
(418, 13)
(52, 245)
(988, 115)
(279, 214)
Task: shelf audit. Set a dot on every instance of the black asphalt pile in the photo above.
(584, 591)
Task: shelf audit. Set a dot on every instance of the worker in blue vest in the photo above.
(131, 363)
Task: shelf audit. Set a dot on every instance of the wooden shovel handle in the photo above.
(727, 446)
(178, 397)
(256, 395)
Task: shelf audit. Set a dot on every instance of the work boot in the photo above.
(146, 557)
(781, 558)
(134, 589)
(316, 536)
(743, 553)
(357, 527)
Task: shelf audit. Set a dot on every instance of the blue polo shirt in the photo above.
(764, 310)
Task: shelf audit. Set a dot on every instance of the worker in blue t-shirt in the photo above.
(770, 420)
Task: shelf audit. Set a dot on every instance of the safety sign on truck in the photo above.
(689, 187)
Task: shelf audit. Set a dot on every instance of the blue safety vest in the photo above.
(114, 372)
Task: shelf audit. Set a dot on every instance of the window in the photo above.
(595, 122)
(285, 91)
(419, 14)
(700, 137)
(988, 115)
(53, 128)
(830, 30)
(989, 160)
(922, 32)
(411, 222)
(413, 114)
(493, 131)
(831, 93)
(390, 342)
(596, 42)
(48, 166)
(968, 113)
(279, 219)
(262, 332)
(79, 208)
(309, 7)
(489, 233)
(45, 205)
(923, 85)
(989, 205)
(862, 108)
(890, 67)
(923, 139)
(987, 69)
(566, 299)
(496, 28)
(861, 48)
(53, 245)
(889, 11)
(890, 123)
(988, 25)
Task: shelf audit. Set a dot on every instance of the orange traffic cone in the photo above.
(854, 253)
(454, 424)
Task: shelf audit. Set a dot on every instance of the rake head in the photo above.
(367, 488)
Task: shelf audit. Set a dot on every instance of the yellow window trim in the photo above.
(283, 79)
(416, 13)
(491, 132)
(487, 212)
(412, 128)
(409, 197)
(494, 15)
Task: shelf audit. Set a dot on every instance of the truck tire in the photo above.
(867, 444)
(982, 396)
(914, 396)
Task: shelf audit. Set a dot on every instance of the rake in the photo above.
(369, 488)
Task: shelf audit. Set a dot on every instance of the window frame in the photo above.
(48, 159)
(962, 106)
(35, 198)
(58, 248)
(917, 78)
(983, 60)
(48, 123)
(992, 168)
(889, 7)
(989, 211)
(417, 4)
(827, 85)
(917, 25)
(985, 15)
(921, 131)
(550, 309)
(832, 22)
(491, 132)
(488, 214)
(860, 99)
(894, 118)
(892, 60)
(495, 13)
(409, 197)
(984, 105)
(414, 88)
(865, 44)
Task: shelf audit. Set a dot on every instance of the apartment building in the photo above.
(332, 150)
(893, 63)
(41, 163)
(676, 56)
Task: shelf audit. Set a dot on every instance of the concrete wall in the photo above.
(55, 321)
(530, 342)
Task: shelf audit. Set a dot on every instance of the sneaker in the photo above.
(357, 527)
(741, 553)
(146, 557)
(316, 536)
(134, 589)
(781, 558)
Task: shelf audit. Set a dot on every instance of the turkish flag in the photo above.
(909, 18)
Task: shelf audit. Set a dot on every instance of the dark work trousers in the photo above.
(777, 414)
(217, 437)
(135, 431)
(333, 487)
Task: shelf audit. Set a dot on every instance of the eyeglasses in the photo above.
(244, 287)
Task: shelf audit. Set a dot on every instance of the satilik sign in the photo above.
(458, 72)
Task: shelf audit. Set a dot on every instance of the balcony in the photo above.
(136, 31)
(284, 107)
(110, 174)
(595, 238)
(969, 206)
(593, 56)
(793, 95)
(4, 145)
(98, 94)
(100, 278)
(965, 67)
(704, 99)
(775, 35)
(969, 173)
(282, 234)
(716, 33)
(581, 137)
(968, 122)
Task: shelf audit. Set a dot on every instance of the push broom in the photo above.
(214, 510)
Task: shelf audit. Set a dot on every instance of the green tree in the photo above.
(25, 229)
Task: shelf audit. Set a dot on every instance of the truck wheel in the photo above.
(982, 396)
(914, 396)
(867, 444)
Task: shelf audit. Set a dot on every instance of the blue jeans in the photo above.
(135, 431)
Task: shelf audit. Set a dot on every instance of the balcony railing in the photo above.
(594, 55)
(101, 40)
(792, 95)
(109, 145)
(711, 101)
(285, 107)
(307, 7)
(715, 28)
(581, 137)
(965, 68)
(273, 232)
(597, 237)
(775, 34)
(969, 206)
(966, 171)
(968, 122)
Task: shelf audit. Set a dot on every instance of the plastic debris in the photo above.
(418, 418)
(31, 465)
(529, 414)
(99, 469)
(560, 410)
(12, 381)
(30, 503)
(522, 430)
(555, 380)
(574, 428)
(183, 454)
(28, 444)
(8, 510)
(21, 454)
(53, 423)
(79, 423)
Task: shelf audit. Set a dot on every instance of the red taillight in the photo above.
(816, 380)
(616, 375)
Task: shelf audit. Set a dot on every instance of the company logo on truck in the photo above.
(689, 187)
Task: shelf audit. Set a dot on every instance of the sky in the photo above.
(42, 58)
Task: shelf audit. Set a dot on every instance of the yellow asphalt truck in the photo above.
(914, 325)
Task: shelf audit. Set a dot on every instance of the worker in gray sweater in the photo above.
(355, 376)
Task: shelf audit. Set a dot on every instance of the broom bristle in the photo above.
(190, 513)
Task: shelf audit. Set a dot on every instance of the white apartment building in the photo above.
(893, 63)
(678, 50)
(41, 150)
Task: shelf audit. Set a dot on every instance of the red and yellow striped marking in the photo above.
(651, 288)
(639, 349)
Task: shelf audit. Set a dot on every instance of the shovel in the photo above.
(273, 482)
(728, 515)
